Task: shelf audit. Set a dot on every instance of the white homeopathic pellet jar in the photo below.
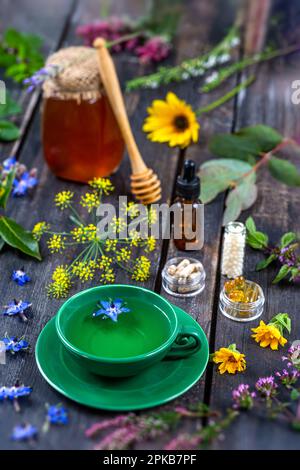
(234, 242)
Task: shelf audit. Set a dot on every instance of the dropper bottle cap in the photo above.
(188, 185)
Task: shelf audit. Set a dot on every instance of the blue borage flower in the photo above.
(17, 308)
(14, 393)
(24, 432)
(57, 414)
(9, 163)
(20, 277)
(24, 183)
(111, 309)
(14, 345)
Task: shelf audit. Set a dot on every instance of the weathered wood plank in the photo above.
(268, 101)
(162, 160)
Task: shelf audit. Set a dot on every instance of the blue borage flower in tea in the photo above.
(24, 432)
(20, 277)
(14, 345)
(14, 393)
(17, 308)
(111, 309)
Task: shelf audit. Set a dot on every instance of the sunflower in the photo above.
(173, 121)
(268, 335)
(230, 360)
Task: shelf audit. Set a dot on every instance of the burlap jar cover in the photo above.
(78, 75)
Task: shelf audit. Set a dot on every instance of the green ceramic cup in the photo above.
(147, 334)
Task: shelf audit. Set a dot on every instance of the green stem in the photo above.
(227, 72)
(125, 37)
(228, 96)
(77, 218)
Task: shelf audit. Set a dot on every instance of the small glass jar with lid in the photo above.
(243, 311)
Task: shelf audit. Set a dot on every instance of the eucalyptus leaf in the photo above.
(287, 238)
(16, 236)
(283, 272)
(240, 198)
(266, 137)
(284, 171)
(219, 175)
(8, 131)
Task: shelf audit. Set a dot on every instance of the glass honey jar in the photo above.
(81, 138)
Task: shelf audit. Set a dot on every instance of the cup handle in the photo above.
(187, 342)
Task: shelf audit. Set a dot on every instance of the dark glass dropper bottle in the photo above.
(189, 211)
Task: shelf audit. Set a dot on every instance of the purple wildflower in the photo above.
(40, 76)
(242, 397)
(287, 256)
(293, 357)
(120, 439)
(154, 50)
(288, 377)
(24, 432)
(266, 386)
(17, 308)
(184, 441)
(107, 423)
(111, 309)
(14, 345)
(20, 277)
(110, 29)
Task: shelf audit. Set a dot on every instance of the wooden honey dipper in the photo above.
(145, 185)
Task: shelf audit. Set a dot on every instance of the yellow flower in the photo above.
(90, 201)
(104, 262)
(172, 121)
(135, 238)
(61, 282)
(111, 244)
(150, 244)
(102, 184)
(152, 215)
(118, 224)
(39, 229)
(132, 209)
(83, 234)
(123, 254)
(56, 244)
(230, 360)
(84, 270)
(108, 276)
(141, 269)
(63, 199)
(268, 335)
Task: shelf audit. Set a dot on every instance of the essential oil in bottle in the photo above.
(188, 210)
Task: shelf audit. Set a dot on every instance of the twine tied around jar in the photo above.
(78, 75)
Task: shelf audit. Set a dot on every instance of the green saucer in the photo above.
(159, 384)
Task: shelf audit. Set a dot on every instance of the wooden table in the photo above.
(276, 211)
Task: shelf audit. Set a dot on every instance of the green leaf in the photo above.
(287, 238)
(17, 237)
(266, 137)
(8, 131)
(10, 108)
(250, 225)
(232, 146)
(282, 321)
(296, 425)
(246, 144)
(219, 174)
(240, 198)
(295, 395)
(7, 186)
(2, 243)
(284, 171)
(283, 272)
(265, 262)
(12, 38)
